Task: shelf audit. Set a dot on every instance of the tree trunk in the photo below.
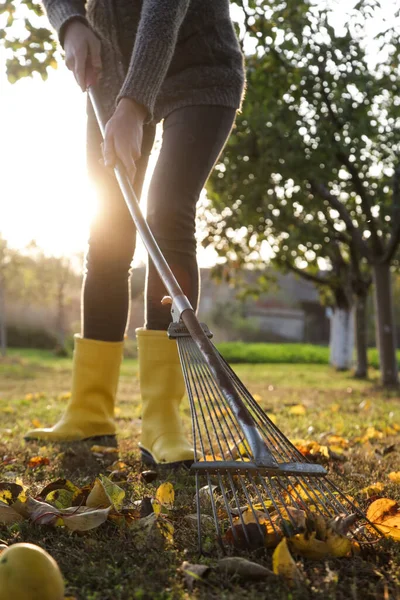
(342, 339)
(361, 336)
(385, 328)
(3, 323)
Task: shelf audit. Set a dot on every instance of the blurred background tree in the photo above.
(312, 169)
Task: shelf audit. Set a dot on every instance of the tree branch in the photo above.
(394, 240)
(305, 275)
(335, 203)
(358, 186)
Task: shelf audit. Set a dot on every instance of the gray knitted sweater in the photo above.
(164, 54)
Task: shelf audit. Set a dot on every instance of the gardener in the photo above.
(176, 60)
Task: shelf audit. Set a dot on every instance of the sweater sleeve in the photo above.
(60, 12)
(155, 42)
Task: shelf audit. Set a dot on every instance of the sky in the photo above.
(45, 193)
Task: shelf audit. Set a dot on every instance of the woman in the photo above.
(176, 60)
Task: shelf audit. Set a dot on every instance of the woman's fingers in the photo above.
(109, 150)
(80, 67)
(94, 59)
(125, 154)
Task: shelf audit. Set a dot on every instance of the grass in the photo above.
(109, 563)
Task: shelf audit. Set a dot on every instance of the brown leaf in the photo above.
(234, 565)
(38, 461)
(193, 573)
(343, 523)
(8, 515)
(249, 536)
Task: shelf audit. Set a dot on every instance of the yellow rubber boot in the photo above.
(90, 410)
(162, 388)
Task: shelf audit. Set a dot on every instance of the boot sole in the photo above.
(110, 438)
(148, 460)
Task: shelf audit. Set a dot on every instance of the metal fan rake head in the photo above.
(253, 501)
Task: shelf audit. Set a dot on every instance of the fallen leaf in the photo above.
(8, 515)
(210, 458)
(339, 545)
(165, 497)
(38, 461)
(342, 524)
(374, 488)
(167, 529)
(83, 518)
(380, 509)
(385, 515)
(105, 493)
(394, 476)
(234, 565)
(309, 546)
(193, 573)
(59, 484)
(284, 565)
(250, 536)
(297, 409)
(11, 492)
(60, 498)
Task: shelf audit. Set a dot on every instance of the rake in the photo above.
(250, 479)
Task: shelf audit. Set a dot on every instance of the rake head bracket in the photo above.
(179, 330)
(243, 467)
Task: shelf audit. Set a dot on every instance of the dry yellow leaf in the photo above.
(283, 563)
(309, 546)
(105, 493)
(394, 476)
(374, 488)
(385, 515)
(379, 510)
(337, 441)
(165, 495)
(338, 545)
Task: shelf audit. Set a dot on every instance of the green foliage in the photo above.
(240, 352)
(31, 47)
(25, 337)
(310, 175)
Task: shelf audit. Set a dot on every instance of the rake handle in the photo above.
(182, 306)
(163, 269)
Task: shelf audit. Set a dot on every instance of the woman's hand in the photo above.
(82, 53)
(123, 136)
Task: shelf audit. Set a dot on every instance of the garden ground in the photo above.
(309, 402)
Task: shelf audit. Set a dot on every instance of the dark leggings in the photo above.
(193, 138)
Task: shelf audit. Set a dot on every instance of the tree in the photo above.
(316, 146)
(31, 46)
(10, 271)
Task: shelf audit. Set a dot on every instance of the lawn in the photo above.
(118, 563)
